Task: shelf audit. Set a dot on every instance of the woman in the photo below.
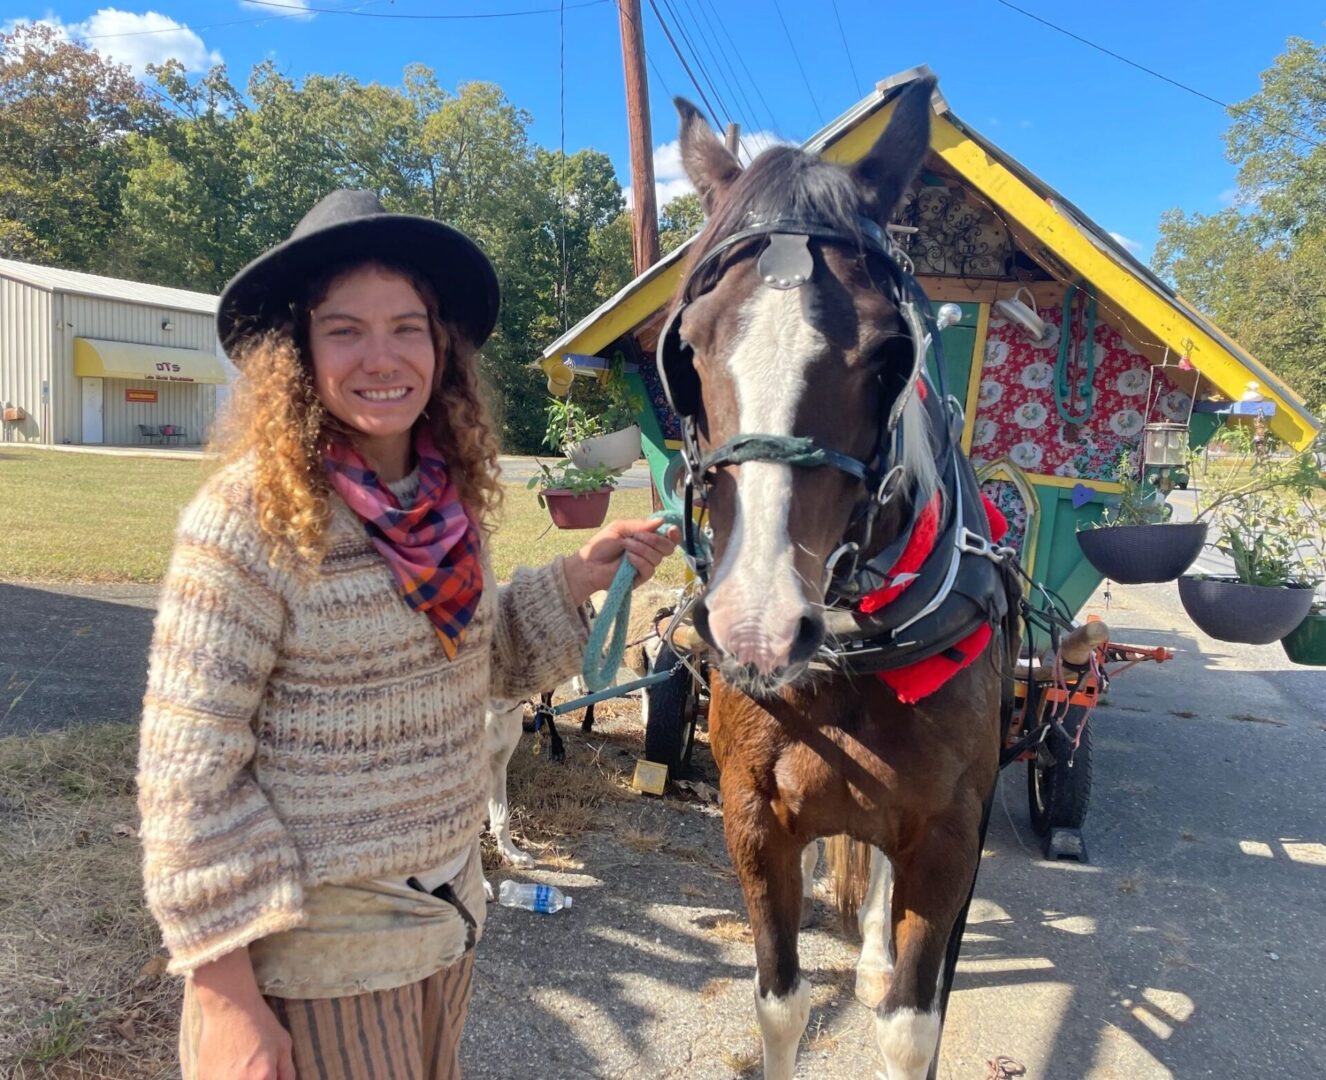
(310, 774)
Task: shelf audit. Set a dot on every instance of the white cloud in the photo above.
(1130, 246)
(670, 179)
(297, 9)
(135, 39)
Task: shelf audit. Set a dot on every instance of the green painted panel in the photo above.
(959, 346)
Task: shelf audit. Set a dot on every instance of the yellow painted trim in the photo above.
(1046, 480)
(633, 310)
(99, 359)
(1004, 469)
(1069, 244)
(974, 378)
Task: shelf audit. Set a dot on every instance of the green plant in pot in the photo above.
(1267, 518)
(574, 498)
(1135, 541)
(612, 437)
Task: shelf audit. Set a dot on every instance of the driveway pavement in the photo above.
(1193, 944)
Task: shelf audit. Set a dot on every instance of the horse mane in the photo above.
(785, 182)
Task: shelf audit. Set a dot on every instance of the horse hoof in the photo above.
(488, 890)
(872, 983)
(516, 857)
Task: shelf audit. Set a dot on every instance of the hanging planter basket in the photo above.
(1141, 554)
(617, 451)
(1228, 610)
(1306, 643)
(570, 510)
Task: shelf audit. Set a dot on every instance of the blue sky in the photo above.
(1121, 144)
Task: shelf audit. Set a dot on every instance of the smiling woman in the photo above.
(312, 779)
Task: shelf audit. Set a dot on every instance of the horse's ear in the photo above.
(706, 160)
(891, 164)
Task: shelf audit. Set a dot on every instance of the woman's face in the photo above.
(373, 358)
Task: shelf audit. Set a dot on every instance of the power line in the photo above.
(687, 67)
(843, 34)
(726, 113)
(426, 18)
(706, 39)
(722, 25)
(1239, 109)
(797, 56)
(748, 113)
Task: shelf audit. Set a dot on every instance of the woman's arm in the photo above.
(240, 1035)
(219, 868)
(541, 632)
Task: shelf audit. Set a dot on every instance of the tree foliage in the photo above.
(184, 181)
(1259, 268)
(680, 219)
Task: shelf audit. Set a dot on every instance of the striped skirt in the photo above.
(409, 1033)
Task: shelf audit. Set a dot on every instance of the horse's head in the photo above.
(792, 331)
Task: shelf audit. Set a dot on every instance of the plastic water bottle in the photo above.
(544, 899)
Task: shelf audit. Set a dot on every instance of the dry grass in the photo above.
(729, 928)
(79, 954)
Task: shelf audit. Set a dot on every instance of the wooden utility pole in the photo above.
(644, 210)
(732, 138)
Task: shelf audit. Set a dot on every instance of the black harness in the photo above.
(965, 582)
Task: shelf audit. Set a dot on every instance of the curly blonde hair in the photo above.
(276, 420)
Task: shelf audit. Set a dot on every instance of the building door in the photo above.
(92, 395)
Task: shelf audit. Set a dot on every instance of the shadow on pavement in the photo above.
(74, 655)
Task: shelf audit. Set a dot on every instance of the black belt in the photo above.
(447, 893)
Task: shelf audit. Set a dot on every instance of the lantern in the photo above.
(1164, 445)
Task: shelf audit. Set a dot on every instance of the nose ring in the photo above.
(386, 376)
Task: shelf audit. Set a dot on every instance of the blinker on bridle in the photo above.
(786, 262)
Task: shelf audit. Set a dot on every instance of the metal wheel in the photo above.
(1057, 793)
(669, 711)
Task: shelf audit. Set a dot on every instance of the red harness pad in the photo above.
(915, 681)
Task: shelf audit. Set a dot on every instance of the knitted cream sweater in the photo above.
(303, 726)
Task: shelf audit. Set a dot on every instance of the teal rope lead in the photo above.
(607, 637)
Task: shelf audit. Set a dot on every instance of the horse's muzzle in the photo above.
(769, 649)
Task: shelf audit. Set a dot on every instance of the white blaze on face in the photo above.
(755, 600)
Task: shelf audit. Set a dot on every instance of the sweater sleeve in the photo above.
(219, 868)
(540, 635)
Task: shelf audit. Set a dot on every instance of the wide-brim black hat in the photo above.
(350, 225)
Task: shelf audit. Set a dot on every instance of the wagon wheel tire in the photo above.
(669, 714)
(1057, 794)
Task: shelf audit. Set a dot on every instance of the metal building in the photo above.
(96, 360)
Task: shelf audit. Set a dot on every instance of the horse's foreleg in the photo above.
(768, 862)
(874, 968)
(931, 882)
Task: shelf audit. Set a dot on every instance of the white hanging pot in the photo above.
(616, 452)
(1023, 314)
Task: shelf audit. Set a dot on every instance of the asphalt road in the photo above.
(1193, 943)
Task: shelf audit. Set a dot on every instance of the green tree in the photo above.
(680, 219)
(65, 117)
(1259, 268)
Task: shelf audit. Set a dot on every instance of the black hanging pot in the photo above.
(1139, 554)
(1228, 610)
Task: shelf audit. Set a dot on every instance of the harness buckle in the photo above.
(970, 543)
(888, 485)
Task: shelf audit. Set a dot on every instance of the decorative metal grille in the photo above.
(954, 235)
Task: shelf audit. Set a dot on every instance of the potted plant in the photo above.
(574, 498)
(608, 438)
(1264, 513)
(1306, 643)
(1135, 541)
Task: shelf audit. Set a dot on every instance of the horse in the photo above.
(793, 354)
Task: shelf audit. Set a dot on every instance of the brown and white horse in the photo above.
(806, 753)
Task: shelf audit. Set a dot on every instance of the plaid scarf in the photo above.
(432, 548)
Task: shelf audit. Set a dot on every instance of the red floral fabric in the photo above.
(1016, 415)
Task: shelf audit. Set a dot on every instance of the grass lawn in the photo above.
(88, 517)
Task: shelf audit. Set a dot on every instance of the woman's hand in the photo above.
(593, 567)
(240, 1035)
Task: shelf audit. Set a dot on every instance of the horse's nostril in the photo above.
(809, 637)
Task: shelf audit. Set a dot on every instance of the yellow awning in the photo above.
(153, 363)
